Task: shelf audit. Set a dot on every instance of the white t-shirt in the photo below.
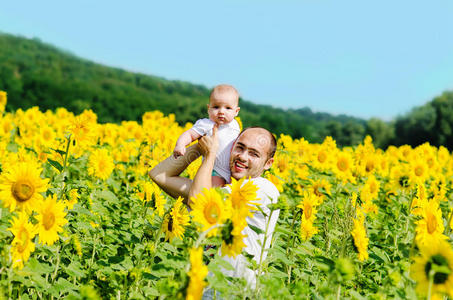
(267, 193)
(227, 134)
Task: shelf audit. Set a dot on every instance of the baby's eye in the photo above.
(216, 107)
(228, 107)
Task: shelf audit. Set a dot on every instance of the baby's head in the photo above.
(223, 104)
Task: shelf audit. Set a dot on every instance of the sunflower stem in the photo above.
(339, 292)
(430, 285)
(66, 153)
(204, 233)
(449, 222)
(265, 240)
(57, 266)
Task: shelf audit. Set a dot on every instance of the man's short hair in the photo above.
(272, 140)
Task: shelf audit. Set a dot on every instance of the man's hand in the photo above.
(209, 144)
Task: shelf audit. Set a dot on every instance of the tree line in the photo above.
(38, 74)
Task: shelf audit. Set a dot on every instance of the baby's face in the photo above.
(222, 108)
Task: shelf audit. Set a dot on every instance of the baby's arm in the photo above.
(183, 141)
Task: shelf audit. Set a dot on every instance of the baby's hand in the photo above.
(179, 151)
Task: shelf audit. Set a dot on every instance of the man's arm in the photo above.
(166, 173)
(208, 146)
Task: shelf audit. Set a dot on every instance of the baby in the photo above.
(222, 108)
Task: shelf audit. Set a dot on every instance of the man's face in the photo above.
(250, 154)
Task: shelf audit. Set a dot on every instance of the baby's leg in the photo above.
(218, 181)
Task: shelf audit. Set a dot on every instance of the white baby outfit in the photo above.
(227, 134)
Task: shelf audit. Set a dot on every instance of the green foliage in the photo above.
(37, 74)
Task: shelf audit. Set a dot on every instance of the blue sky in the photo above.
(361, 58)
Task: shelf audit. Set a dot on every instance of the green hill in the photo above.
(38, 74)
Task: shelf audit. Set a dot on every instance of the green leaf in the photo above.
(61, 286)
(55, 164)
(256, 229)
(39, 268)
(74, 269)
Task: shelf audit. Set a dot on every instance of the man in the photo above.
(251, 154)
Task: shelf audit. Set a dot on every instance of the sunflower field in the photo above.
(80, 218)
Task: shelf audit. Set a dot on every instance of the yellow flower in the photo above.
(174, 222)
(308, 205)
(209, 210)
(242, 196)
(307, 229)
(360, 238)
(22, 244)
(319, 188)
(232, 240)
(101, 164)
(83, 128)
(343, 167)
(436, 259)
(198, 272)
(430, 228)
(21, 186)
(3, 100)
(51, 218)
(73, 198)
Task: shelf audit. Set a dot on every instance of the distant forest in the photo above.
(34, 73)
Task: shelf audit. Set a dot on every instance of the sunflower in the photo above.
(360, 238)
(307, 229)
(209, 210)
(101, 164)
(82, 128)
(198, 272)
(51, 218)
(22, 244)
(21, 186)
(232, 240)
(319, 188)
(435, 262)
(308, 205)
(73, 198)
(418, 171)
(3, 100)
(343, 167)
(431, 227)
(174, 222)
(243, 195)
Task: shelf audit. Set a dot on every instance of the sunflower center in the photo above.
(46, 135)
(439, 260)
(211, 212)
(22, 190)
(369, 166)
(101, 165)
(431, 223)
(342, 165)
(317, 191)
(308, 211)
(24, 239)
(48, 220)
(404, 181)
(322, 156)
(418, 171)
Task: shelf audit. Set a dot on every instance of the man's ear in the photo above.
(237, 111)
(268, 163)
